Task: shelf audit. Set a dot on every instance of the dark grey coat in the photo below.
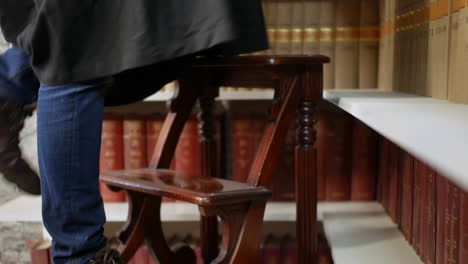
(73, 41)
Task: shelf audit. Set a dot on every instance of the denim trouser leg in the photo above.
(18, 84)
(69, 134)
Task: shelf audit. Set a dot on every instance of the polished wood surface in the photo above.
(297, 81)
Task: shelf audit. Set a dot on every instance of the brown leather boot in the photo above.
(107, 256)
(12, 165)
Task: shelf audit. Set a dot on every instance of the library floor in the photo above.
(358, 232)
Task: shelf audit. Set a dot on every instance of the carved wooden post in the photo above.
(306, 167)
(209, 224)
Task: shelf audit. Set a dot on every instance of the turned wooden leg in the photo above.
(208, 224)
(241, 226)
(306, 169)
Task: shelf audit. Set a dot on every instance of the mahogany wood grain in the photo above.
(297, 81)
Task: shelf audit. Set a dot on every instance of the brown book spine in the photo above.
(140, 257)
(393, 182)
(338, 156)
(407, 172)
(463, 228)
(417, 195)
(431, 216)
(347, 44)
(283, 177)
(154, 125)
(271, 251)
(364, 163)
(452, 224)
(368, 44)
(441, 203)
(311, 30)
(111, 156)
(187, 153)
(288, 250)
(383, 171)
(39, 252)
(134, 134)
(283, 27)
(423, 222)
(241, 140)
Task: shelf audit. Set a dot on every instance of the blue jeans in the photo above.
(69, 120)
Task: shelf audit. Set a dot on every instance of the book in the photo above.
(431, 225)
(39, 251)
(338, 155)
(452, 224)
(187, 153)
(393, 182)
(140, 257)
(111, 155)
(283, 27)
(154, 125)
(242, 138)
(311, 27)
(368, 44)
(271, 250)
(441, 212)
(134, 141)
(327, 41)
(463, 249)
(347, 44)
(288, 250)
(407, 172)
(364, 162)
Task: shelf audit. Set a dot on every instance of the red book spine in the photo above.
(423, 211)
(441, 203)
(452, 224)
(338, 156)
(241, 142)
(430, 216)
(416, 206)
(39, 252)
(154, 125)
(393, 182)
(406, 166)
(463, 228)
(283, 177)
(140, 257)
(111, 156)
(271, 251)
(321, 148)
(150, 259)
(364, 163)
(383, 171)
(288, 250)
(134, 131)
(187, 153)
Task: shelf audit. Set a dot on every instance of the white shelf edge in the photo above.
(434, 131)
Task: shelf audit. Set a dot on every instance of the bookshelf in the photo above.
(358, 232)
(433, 130)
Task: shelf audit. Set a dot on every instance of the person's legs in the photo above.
(18, 87)
(69, 135)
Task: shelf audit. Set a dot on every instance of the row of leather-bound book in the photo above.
(347, 151)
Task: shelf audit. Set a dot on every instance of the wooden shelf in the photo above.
(28, 209)
(224, 95)
(434, 131)
(358, 232)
